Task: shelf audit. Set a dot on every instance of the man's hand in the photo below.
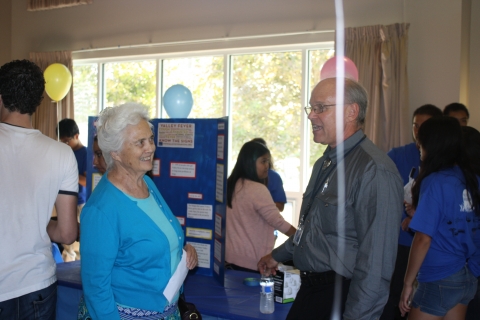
(192, 258)
(267, 265)
(65, 228)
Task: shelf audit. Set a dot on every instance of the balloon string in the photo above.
(59, 104)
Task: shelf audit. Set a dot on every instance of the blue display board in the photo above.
(190, 170)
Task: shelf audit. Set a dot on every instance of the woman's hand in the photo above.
(420, 245)
(405, 299)
(409, 209)
(192, 258)
(406, 223)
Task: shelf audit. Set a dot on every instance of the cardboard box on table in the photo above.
(286, 285)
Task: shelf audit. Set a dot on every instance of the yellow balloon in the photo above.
(58, 81)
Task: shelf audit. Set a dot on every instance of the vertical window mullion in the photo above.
(304, 156)
(159, 88)
(101, 98)
(227, 106)
(227, 81)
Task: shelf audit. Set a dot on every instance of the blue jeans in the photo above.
(438, 297)
(38, 305)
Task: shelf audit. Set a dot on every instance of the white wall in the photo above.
(434, 52)
(434, 47)
(5, 31)
(108, 23)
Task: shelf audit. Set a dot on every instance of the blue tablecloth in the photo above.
(235, 301)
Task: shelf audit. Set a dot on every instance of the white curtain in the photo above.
(380, 54)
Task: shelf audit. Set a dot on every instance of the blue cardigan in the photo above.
(125, 256)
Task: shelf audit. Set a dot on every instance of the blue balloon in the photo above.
(178, 101)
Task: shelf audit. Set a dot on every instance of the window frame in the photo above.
(295, 197)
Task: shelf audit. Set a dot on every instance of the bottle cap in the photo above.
(251, 282)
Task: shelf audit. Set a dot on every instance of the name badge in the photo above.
(298, 235)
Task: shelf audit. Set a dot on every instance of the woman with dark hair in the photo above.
(251, 213)
(471, 140)
(274, 183)
(446, 197)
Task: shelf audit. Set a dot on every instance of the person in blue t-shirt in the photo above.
(444, 254)
(458, 111)
(407, 160)
(68, 133)
(471, 139)
(274, 183)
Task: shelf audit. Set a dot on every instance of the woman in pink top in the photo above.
(251, 213)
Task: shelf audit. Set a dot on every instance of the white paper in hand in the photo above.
(176, 281)
(407, 191)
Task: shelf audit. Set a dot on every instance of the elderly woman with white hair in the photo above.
(131, 241)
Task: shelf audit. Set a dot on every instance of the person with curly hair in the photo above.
(36, 173)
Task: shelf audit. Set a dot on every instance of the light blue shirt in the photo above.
(155, 212)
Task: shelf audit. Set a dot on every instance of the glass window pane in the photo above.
(266, 103)
(317, 59)
(133, 81)
(85, 97)
(203, 76)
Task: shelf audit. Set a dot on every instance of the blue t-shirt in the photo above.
(81, 156)
(406, 158)
(445, 214)
(275, 186)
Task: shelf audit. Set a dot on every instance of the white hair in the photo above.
(111, 124)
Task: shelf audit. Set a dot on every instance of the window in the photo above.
(266, 103)
(263, 92)
(203, 76)
(85, 97)
(316, 60)
(131, 82)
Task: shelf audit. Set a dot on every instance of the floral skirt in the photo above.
(170, 313)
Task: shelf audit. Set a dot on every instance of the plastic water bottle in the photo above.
(266, 295)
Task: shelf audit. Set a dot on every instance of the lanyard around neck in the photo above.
(326, 165)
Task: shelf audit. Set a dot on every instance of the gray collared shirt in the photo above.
(373, 210)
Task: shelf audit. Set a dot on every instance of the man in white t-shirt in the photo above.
(36, 173)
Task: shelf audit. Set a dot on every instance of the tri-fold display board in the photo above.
(190, 170)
